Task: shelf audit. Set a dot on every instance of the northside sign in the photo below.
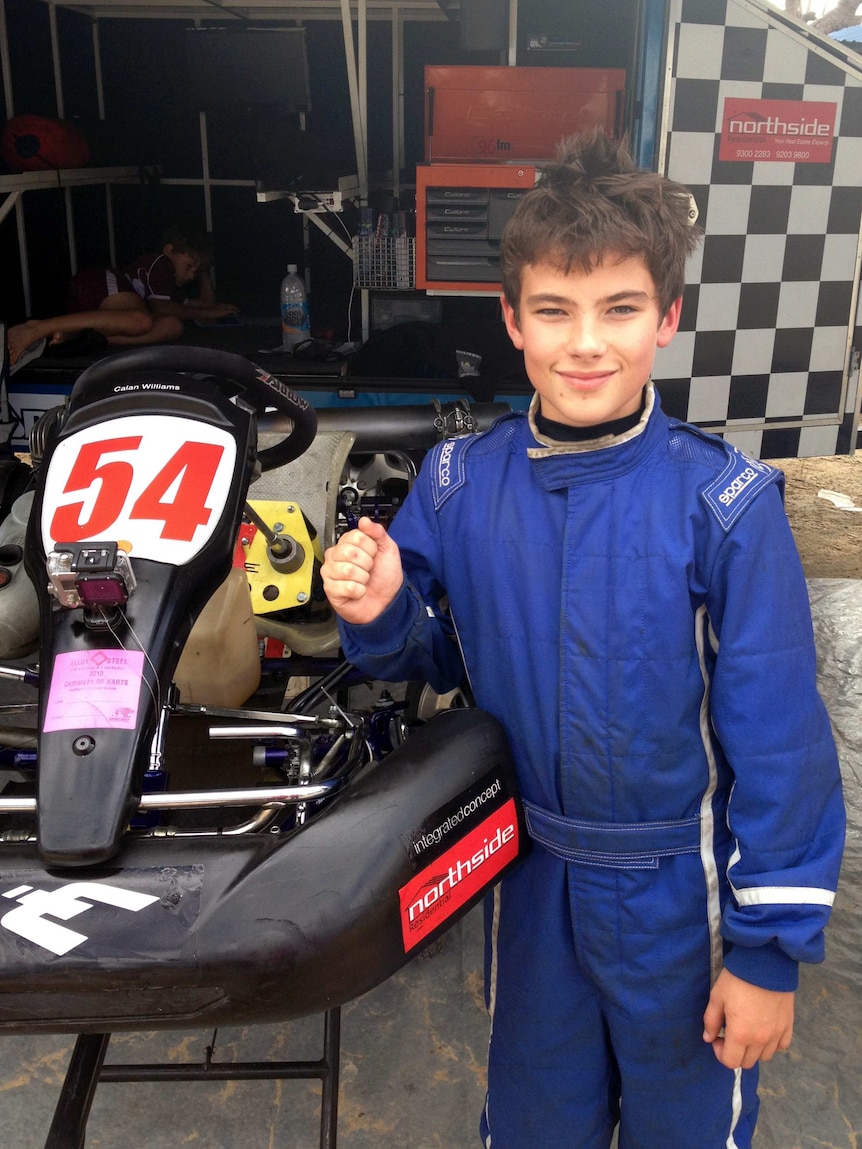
(777, 131)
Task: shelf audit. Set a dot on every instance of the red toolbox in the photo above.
(506, 115)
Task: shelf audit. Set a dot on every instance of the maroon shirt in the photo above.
(150, 276)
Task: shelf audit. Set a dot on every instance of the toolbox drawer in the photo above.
(463, 195)
(456, 229)
(487, 248)
(461, 210)
(463, 269)
(446, 211)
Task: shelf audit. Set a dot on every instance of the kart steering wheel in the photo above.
(258, 388)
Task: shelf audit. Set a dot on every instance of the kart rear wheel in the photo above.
(423, 702)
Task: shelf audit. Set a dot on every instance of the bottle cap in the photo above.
(291, 269)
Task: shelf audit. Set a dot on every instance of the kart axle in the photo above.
(202, 799)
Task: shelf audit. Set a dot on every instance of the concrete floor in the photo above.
(412, 1073)
(412, 1062)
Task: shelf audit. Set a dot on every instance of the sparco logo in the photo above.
(443, 476)
(739, 484)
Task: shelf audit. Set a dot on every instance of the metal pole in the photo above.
(61, 112)
(397, 99)
(100, 100)
(356, 109)
(22, 253)
(5, 65)
(97, 65)
(70, 228)
(8, 96)
(329, 1095)
(205, 165)
(362, 67)
(69, 1126)
(55, 58)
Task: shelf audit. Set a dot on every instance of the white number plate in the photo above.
(158, 483)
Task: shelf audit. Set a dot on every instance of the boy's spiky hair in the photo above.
(594, 202)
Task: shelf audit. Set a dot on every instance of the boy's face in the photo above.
(589, 340)
(186, 264)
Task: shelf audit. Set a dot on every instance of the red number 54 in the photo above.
(190, 471)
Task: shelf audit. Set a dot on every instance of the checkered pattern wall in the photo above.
(762, 352)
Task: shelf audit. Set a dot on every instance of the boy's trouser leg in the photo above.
(552, 1079)
(684, 1098)
(597, 982)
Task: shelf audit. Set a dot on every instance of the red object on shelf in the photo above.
(506, 115)
(42, 143)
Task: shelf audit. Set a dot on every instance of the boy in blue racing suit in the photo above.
(630, 605)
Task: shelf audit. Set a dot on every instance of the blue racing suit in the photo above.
(634, 612)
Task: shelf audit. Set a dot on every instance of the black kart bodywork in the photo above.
(337, 883)
(264, 927)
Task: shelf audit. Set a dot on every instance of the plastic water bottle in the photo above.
(295, 325)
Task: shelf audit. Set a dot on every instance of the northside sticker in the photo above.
(777, 131)
(470, 865)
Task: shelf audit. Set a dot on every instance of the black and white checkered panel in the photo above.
(762, 350)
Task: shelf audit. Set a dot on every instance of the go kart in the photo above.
(338, 841)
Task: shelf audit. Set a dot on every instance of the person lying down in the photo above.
(146, 301)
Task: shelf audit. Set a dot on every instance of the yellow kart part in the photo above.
(279, 584)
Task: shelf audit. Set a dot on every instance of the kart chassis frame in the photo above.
(87, 1070)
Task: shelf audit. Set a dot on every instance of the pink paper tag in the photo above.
(95, 689)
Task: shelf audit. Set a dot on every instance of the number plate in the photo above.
(156, 483)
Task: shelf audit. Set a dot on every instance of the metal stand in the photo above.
(87, 1069)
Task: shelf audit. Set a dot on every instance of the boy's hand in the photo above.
(362, 573)
(210, 311)
(757, 1022)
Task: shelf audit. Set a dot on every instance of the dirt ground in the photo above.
(829, 539)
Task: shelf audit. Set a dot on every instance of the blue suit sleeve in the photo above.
(786, 811)
(411, 640)
(414, 638)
